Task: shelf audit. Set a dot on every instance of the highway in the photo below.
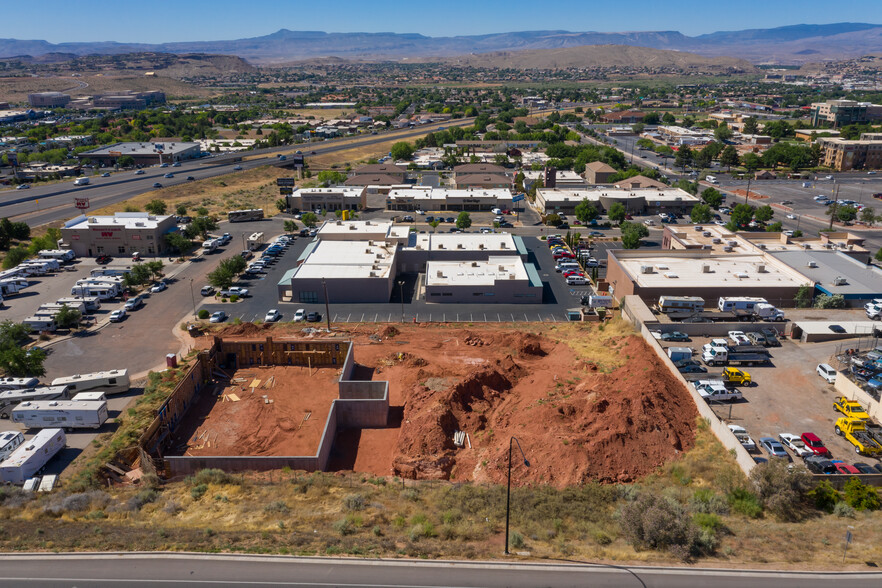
(181, 569)
(49, 203)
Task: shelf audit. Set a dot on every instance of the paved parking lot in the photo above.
(860, 190)
(787, 397)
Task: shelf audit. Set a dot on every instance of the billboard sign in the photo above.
(81, 203)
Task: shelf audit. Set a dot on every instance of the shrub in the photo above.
(745, 502)
(198, 491)
(517, 540)
(234, 298)
(203, 314)
(705, 500)
(658, 522)
(276, 507)
(354, 502)
(861, 496)
(780, 489)
(824, 496)
(172, 507)
(344, 526)
(424, 529)
(213, 476)
(843, 510)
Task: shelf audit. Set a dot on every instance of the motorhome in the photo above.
(209, 246)
(9, 442)
(110, 271)
(12, 286)
(90, 302)
(17, 383)
(30, 457)
(99, 291)
(9, 399)
(39, 414)
(680, 303)
(83, 181)
(255, 240)
(49, 265)
(745, 303)
(59, 254)
(89, 397)
(109, 382)
(40, 323)
(33, 269)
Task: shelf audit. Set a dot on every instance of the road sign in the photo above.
(517, 198)
(81, 203)
(285, 181)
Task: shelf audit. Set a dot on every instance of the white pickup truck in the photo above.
(716, 391)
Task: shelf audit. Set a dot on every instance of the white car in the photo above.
(235, 291)
(739, 338)
(299, 315)
(117, 315)
(742, 436)
(218, 317)
(791, 216)
(159, 287)
(134, 303)
(576, 281)
(795, 444)
(827, 372)
(272, 316)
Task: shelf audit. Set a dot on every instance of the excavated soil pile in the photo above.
(575, 422)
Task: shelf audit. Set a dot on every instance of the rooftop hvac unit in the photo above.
(733, 243)
(727, 248)
(370, 242)
(705, 268)
(645, 269)
(829, 245)
(480, 245)
(762, 245)
(339, 223)
(698, 228)
(373, 274)
(706, 234)
(661, 267)
(707, 246)
(440, 274)
(440, 245)
(839, 281)
(741, 275)
(716, 240)
(460, 246)
(351, 227)
(812, 264)
(851, 247)
(761, 268)
(511, 276)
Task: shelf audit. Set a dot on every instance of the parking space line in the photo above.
(526, 320)
(389, 320)
(348, 316)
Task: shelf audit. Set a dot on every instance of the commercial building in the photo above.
(480, 175)
(143, 153)
(48, 100)
(123, 233)
(838, 113)
(499, 280)
(638, 201)
(623, 117)
(674, 135)
(441, 199)
(843, 154)
(834, 272)
(638, 182)
(380, 169)
(329, 199)
(598, 172)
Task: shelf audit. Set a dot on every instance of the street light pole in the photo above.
(193, 297)
(327, 304)
(508, 492)
(401, 293)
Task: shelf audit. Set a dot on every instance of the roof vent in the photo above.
(706, 268)
(812, 264)
(671, 275)
(646, 269)
(840, 281)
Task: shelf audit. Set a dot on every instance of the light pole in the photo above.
(327, 304)
(401, 293)
(508, 492)
(193, 298)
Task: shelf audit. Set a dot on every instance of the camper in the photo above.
(49, 265)
(13, 286)
(91, 303)
(40, 323)
(9, 442)
(62, 255)
(254, 241)
(99, 291)
(745, 303)
(89, 397)
(114, 280)
(33, 269)
(9, 399)
(668, 304)
(38, 414)
(56, 307)
(109, 382)
(711, 179)
(209, 246)
(17, 383)
(29, 458)
(110, 271)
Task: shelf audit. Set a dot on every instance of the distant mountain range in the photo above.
(790, 44)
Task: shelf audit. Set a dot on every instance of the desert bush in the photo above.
(861, 496)
(347, 525)
(203, 314)
(745, 502)
(198, 491)
(13, 497)
(423, 529)
(78, 502)
(843, 510)
(824, 496)
(354, 502)
(517, 540)
(150, 480)
(781, 490)
(172, 507)
(213, 476)
(658, 522)
(705, 500)
(276, 507)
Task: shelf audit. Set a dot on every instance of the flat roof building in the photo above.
(123, 233)
(145, 153)
(838, 113)
(336, 198)
(651, 201)
(499, 280)
(48, 100)
(834, 272)
(380, 169)
(844, 154)
(442, 199)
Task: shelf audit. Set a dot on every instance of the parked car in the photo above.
(771, 336)
(795, 444)
(103, 259)
(218, 317)
(117, 315)
(272, 316)
(845, 468)
(742, 436)
(827, 372)
(158, 287)
(692, 369)
(299, 315)
(576, 281)
(207, 290)
(235, 291)
(814, 443)
(774, 448)
(675, 336)
(134, 303)
(313, 317)
(820, 465)
(865, 468)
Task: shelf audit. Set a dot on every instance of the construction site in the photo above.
(587, 403)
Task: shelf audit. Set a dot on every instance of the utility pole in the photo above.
(833, 210)
(327, 304)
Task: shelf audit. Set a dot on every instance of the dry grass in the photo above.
(17, 89)
(321, 113)
(597, 342)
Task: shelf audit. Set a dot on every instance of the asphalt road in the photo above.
(177, 569)
(55, 202)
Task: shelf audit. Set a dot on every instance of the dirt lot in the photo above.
(238, 420)
(787, 397)
(586, 403)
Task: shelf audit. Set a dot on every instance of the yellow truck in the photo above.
(855, 432)
(736, 376)
(850, 408)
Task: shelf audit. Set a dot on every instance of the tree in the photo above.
(702, 159)
(330, 177)
(846, 214)
(434, 224)
(683, 157)
(289, 226)
(67, 317)
(712, 197)
(741, 216)
(764, 214)
(632, 233)
(586, 212)
(878, 255)
(155, 268)
(868, 216)
(463, 220)
(553, 220)
(282, 204)
(751, 126)
(751, 162)
(651, 118)
(668, 118)
(181, 209)
(723, 133)
(402, 151)
(309, 219)
(15, 256)
(19, 362)
(177, 242)
(616, 212)
(781, 490)
(156, 207)
(221, 278)
(125, 161)
(201, 226)
(804, 294)
(701, 213)
(775, 227)
(729, 157)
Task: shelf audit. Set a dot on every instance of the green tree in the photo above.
(741, 216)
(751, 126)
(701, 213)
(712, 197)
(156, 207)
(668, 118)
(804, 295)
(125, 161)
(67, 317)
(463, 220)
(861, 496)
(878, 255)
(309, 219)
(775, 227)
(616, 212)
(846, 214)
(282, 204)
(651, 118)
(18, 362)
(764, 214)
(751, 162)
(645, 144)
(181, 210)
(632, 233)
(683, 157)
(723, 133)
(868, 216)
(586, 212)
(155, 268)
(290, 226)
(177, 241)
(221, 278)
(332, 178)
(434, 224)
(402, 151)
(702, 159)
(553, 220)
(201, 226)
(15, 256)
(729, 157)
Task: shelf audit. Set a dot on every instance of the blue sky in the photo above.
(156, 21)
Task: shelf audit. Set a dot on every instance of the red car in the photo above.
(563, 254)
(845, 468)
(573, 273)
(814, 443)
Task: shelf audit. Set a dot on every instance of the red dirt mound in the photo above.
(246, 330)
